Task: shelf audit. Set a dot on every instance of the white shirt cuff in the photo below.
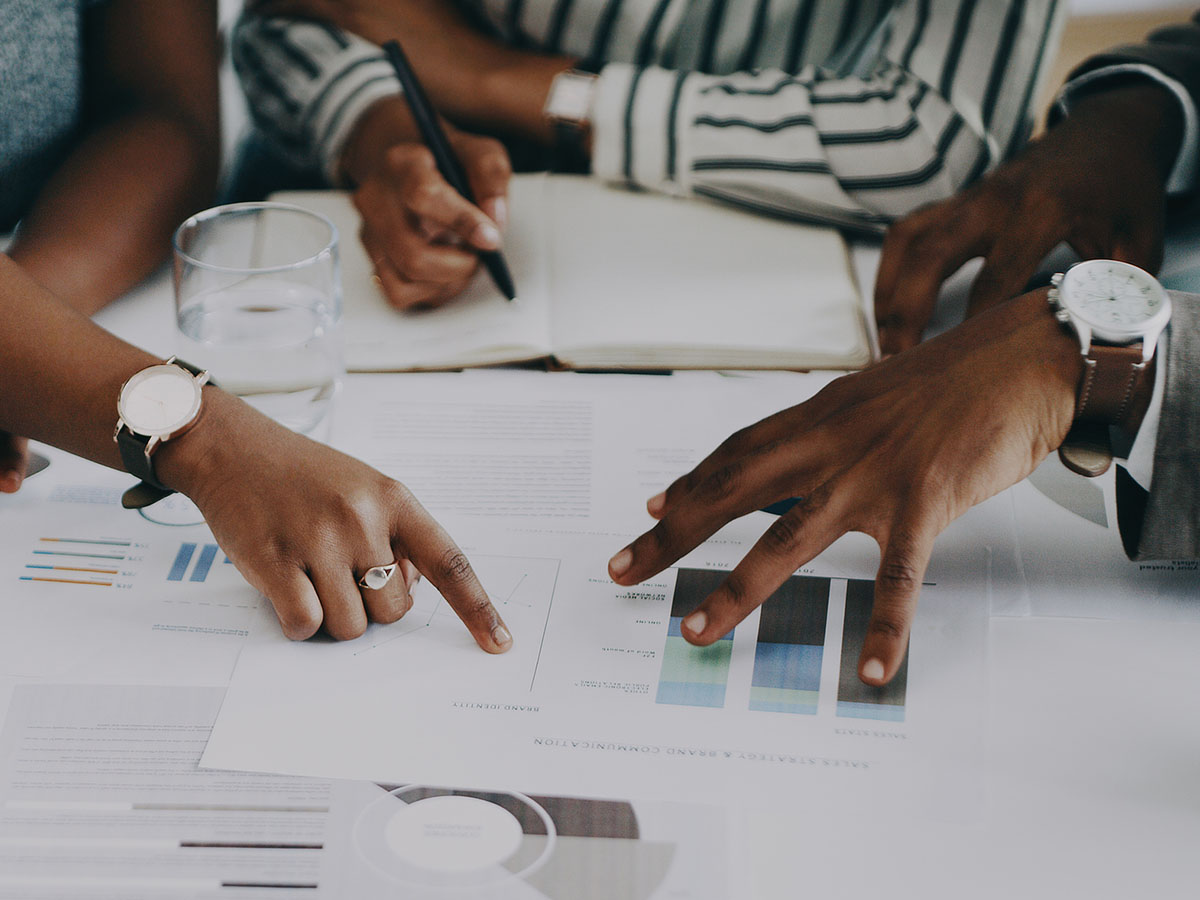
(1183, 174)
(1140, 463)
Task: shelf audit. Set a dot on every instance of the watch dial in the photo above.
(159, 403)
(1113, 295)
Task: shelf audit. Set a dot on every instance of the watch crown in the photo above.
(1062, 315)
(1056, 279)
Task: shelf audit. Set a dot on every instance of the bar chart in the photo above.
(856, 700)
(693, 676)
(791, 644)
(183, 559)
(85, 562)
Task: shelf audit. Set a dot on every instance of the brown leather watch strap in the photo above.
(1111, 377)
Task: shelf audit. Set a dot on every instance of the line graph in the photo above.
(521, 589)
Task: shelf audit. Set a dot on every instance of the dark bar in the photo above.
(855, 699)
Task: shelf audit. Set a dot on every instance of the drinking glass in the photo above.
(258, 302)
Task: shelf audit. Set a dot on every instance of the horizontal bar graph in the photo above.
(856, 700)
(693, 676)
(791, 644)
(89, 562)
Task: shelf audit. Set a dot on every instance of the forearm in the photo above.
(61, 377)
(61, 373)
(105, 220)
(387, 123)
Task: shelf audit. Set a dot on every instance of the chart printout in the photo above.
(100, 796)
(602, 697)
(95, 592)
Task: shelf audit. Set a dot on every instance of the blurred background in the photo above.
(1092, 26)
(1096, 24)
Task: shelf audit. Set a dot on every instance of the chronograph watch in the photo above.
(1117, 311)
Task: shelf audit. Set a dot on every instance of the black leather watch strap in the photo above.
(133, 456)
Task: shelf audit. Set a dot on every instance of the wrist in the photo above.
(385, 124)
(513, 97)
(196, 459)
(1136, 115)
(1053, 359)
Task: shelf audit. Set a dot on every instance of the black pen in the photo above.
(447, 162)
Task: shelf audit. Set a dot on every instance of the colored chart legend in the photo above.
(791, 643)
(855, 699)
(90, 562)
(693, 676)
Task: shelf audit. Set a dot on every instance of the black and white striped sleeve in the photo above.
(306, 84)
(943, 92)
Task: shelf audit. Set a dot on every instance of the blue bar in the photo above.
(688, 693)
(882, 712)
(182, 558)
(204, 563)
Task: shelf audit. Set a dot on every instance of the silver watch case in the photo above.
(1089, 330)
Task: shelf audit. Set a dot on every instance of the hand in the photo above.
(303, 523)
(897, 451)
(1065, 187)
(14, 458)
(420, 234)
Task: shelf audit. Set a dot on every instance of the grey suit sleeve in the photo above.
(1173, 50)
(1170, 523)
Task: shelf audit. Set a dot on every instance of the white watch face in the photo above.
(159, 400)
(1114, 297)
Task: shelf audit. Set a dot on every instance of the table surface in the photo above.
(1092, 763)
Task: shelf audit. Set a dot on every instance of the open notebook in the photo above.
(608, 278)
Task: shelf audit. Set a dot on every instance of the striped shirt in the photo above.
(852, 112)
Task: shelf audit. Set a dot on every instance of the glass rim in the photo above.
(252, 206)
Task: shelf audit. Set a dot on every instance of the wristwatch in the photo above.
(1118, 312)
(569, 107)
(155, 405)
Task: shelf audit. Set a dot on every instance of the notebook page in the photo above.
(649, 280)
(476, 328)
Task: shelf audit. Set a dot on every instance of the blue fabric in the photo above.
(40, 104)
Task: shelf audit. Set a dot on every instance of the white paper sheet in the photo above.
(597, 696)
(1071, 554)
(100, 796)
(550, 447)
(1093, 788)
(95, 592)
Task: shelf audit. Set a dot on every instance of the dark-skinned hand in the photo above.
(1096, 181)
(897, 451)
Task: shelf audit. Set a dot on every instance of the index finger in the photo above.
(417, 536)
(729, 492)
